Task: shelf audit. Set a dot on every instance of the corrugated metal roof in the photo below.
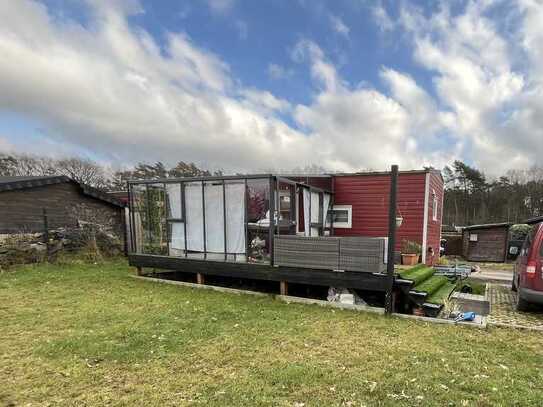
(16, 183)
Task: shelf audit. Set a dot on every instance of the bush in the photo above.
(519, 231)
(443, 261)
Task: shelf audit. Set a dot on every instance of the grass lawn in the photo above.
(91, 335)
(477, 286)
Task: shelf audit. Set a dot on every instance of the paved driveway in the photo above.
(503, 313)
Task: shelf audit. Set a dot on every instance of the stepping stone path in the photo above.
(503, 313)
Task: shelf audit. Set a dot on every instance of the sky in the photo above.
(246, 86)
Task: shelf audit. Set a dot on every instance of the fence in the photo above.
(364, 254)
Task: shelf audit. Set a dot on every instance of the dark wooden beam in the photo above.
(389, 297)
(356, 280)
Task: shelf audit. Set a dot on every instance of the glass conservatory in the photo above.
(226, 218)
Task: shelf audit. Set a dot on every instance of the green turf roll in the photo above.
(418, 274)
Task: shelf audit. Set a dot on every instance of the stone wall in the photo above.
(24, 248)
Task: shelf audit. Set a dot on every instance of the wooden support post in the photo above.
(46, 234)
(139, 271)
(389, 296)
(283, 287)
(200, 278)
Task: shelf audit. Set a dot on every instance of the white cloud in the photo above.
(110, 89)
(321, 69)
(264, 101)
(278, 72)
(494, 105)
(339, 26)
(5, 145)
(221, 6)
(382, 19)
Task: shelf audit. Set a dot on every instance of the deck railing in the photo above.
(364, 254)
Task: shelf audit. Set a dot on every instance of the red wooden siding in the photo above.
(434, 226)
(369, 196)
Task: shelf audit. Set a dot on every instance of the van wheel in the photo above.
(521, 304)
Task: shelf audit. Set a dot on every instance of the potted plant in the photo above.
(411, 252)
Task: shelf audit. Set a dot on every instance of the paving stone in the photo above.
(502, 309)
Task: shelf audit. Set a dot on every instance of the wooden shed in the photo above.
(486, 243)
(23, 199)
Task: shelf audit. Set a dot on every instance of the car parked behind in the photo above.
(528, 275)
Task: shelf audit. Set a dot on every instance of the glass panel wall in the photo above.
(175, 219)
(236, 218)
(194, 217)
(258, 220)
(154, 221)
(221, 219)
(286, 206)
(138, 216)
(214, 215)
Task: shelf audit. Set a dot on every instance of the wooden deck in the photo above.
(349, 279)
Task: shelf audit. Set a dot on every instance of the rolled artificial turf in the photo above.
(431, 285)
(441, 294)
(418, 274)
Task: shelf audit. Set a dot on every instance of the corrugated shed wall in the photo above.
(369, 195)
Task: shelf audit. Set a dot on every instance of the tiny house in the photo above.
(362, 199)
(326, 230)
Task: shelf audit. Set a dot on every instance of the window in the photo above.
(434, 205)
(341, 216)
(528, 243)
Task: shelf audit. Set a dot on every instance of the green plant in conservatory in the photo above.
(154, 208)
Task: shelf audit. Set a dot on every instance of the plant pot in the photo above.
(410, 259)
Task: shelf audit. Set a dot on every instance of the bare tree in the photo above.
(83, 171)
(25, 165)
(91, 222)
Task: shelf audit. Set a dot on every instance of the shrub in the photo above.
(443, 261)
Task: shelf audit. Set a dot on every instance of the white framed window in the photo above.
(435, 207)
(341, 216)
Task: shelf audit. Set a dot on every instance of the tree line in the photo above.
(92, 173)
(470, 198)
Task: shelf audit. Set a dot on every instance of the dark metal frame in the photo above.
(274, 208)
(389, 296)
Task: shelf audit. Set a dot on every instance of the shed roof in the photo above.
(535, 220)
(488, 226)
(25, 182)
